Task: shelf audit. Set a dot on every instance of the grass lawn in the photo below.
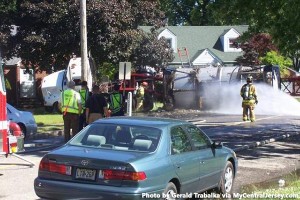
(48, 122)
(290, 187)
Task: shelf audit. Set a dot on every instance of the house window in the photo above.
(169, 41)
(232, 44)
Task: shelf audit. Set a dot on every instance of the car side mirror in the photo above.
(217, 145)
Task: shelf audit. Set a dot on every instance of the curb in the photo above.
(264, 142)
(40, 147)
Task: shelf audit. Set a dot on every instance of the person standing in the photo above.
(140, 95)
(84, 94)
(96, 106)
(116, 103)
(249, 95)
(70, 104)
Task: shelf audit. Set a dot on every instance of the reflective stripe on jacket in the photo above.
(69, 101)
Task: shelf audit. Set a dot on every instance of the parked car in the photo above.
(24, 119)
(135, 158)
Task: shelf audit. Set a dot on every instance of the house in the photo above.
(202, 46)
(207, 51)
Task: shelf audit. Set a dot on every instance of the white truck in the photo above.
(55, 83)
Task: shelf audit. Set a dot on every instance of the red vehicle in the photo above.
(3, 118)
(154, 90)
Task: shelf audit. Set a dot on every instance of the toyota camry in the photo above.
(136, 158)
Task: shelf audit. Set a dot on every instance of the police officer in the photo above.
(249, 95)
(70, 104)
(84, 95)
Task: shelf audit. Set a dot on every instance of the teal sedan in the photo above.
(136, 158)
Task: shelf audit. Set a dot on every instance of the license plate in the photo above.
(88, 174)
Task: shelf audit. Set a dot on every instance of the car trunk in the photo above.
(89, 165)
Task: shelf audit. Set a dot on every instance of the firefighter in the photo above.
(70, 104)
(140, 95)
(249, 95)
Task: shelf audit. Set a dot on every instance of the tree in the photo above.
(48, 31)
(7, 7)
(254, 48)
(186, 12)
(279, 18)
(144, 53)
(273, 58)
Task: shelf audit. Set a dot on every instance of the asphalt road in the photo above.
(258, 161)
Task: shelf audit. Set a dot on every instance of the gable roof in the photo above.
(198, 38)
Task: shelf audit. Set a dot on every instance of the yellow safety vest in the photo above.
(7, 84)
(69, 101)
(84, 94)
(115, 102)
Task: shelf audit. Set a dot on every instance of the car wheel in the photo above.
(170, 191)
(226, 183)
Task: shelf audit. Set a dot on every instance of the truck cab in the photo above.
(55, 83)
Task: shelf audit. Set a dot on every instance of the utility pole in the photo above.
(83, 40)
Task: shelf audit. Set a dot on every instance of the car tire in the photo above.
(227, 179)
(170, 189)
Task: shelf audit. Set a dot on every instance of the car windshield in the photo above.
(118, 137)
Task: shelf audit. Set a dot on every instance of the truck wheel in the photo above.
(169, 104)
(56, 108)
(148, 105)
(49, 109)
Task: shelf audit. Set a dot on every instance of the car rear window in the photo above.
(118, 137)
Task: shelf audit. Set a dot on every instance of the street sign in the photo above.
(124, 70)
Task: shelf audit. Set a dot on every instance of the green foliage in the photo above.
(49, 31)
(274, 58)
(255, 47)
(144, 53)
(7, 7)
(186, 12)
(107, 69)
(279, 18)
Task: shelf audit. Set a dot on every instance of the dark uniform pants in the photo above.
(71, 121)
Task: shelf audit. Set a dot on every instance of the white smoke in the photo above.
(226, 99)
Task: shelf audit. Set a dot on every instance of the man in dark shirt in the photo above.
(96, 106)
